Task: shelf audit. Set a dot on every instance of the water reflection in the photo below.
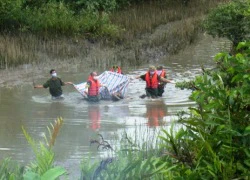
(94, 117)
(156, 113)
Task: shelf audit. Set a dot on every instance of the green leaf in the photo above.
(53, 173)
(29, 175)
(247, 162)
(247, 130)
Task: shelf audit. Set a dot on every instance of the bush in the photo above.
(10, 14)
(216, 139)
(230, 20)
(54, 18)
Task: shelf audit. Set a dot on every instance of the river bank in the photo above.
(34, 56)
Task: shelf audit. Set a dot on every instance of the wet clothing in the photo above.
(55, 86)
(118, 70)
(93, 89)
(151, 80)
(94, 86)
(161, 85)
(151, 84)
(96, 98)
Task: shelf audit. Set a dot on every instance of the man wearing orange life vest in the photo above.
(152, 82)
(116, 69)
(161, 72)
(93, 86)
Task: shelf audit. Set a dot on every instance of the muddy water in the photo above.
(34, 110)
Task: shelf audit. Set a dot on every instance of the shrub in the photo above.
(10, 14)
(216, 139)
(229, 20)
(54, 18)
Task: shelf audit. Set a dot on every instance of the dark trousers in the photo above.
(160, 90)
(152, 92)
(94, 98)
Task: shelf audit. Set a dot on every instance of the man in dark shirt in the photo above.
(55, 85)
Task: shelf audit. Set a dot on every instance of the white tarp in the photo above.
(114, 82)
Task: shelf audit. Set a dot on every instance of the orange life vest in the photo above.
(93, 89)
(153, 81)
(119, 70)
(163, 74)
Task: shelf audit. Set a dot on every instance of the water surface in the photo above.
(34, 110)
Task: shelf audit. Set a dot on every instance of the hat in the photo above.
(152, 68)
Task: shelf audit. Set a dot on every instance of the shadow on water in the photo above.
(35, 110)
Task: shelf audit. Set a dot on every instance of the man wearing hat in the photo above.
(152, 82)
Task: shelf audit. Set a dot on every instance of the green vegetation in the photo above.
(55, 18)
(43, 168)
(37, 31)
(231, 20)
(217, 131)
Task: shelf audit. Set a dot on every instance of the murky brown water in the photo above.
(34, 110)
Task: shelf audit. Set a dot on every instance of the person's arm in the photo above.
(140, 76)
(166, 80)
(38, 86)
(45, 85)
(68, 83)
(65, 83)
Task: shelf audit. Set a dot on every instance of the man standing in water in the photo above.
(55, 85)
(93, 86)
(152, 82)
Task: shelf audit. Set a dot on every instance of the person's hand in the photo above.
(172, 81)
(131, 78)
(38, 86)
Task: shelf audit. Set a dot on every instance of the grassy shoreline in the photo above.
(157, 27)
